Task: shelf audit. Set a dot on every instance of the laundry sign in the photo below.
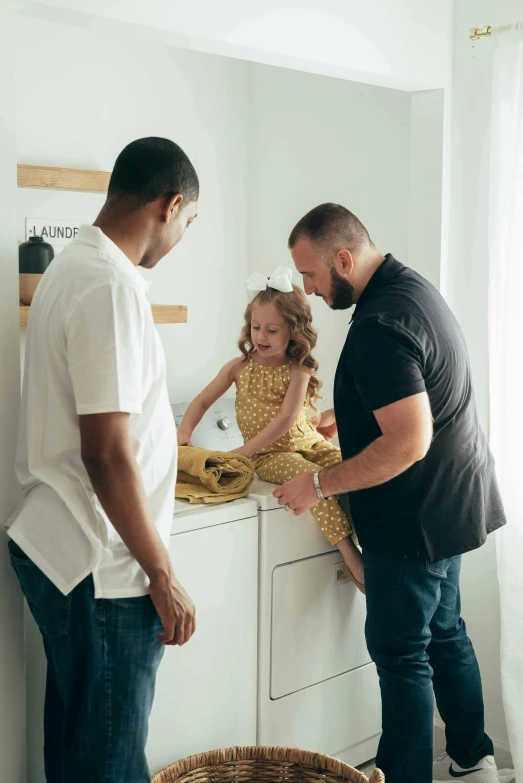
(57, 232)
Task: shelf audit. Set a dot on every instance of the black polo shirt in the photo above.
(405, 340)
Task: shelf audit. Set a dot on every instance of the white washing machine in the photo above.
(317, 688)
(206, 691)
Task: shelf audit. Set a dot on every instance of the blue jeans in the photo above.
(419, 643)
(102, 658)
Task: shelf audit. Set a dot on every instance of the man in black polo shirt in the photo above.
(422, 490)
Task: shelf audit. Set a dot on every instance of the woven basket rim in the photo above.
(260, 753)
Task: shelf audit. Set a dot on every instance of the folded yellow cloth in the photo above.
(212, 476)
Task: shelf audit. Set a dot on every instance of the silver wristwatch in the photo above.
(317, 486)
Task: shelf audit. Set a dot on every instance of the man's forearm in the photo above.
(118, 486)
(378, 463)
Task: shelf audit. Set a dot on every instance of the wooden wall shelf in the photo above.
(24, 315)
(84, 181)
(169, 314)
(80, 180)
(162, 314)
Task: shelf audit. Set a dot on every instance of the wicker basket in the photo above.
(262, 765)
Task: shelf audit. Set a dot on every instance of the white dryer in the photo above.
(317, 688)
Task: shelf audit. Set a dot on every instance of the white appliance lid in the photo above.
(218, 430)
(196, 516)
(261, 492)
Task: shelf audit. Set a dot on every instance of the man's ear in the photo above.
(172, 207)
(344, 263)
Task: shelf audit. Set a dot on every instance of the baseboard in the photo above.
(501, 749)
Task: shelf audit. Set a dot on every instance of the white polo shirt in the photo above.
(92, 347)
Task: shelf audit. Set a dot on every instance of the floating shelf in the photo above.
(162, 314)
(80, 180)
(169, 314)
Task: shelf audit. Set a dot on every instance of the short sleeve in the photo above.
(386, 363)
(105, 345)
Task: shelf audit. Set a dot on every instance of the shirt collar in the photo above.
(94, 236)
(386, 271)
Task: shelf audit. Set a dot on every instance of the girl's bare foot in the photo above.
(352, 559)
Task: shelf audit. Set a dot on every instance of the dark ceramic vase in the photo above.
(34, 256)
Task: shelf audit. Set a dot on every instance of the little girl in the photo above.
(276, 387)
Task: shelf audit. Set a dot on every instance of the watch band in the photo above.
(317, 486)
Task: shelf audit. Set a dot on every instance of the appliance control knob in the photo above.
(224, 424)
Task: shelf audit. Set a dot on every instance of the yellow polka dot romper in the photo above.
(260, 394)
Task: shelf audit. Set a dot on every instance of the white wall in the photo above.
(427, 162)
(12, 685)
(266, 142)
(467, 278)
(394, 43)
(78, 106)
(374, 150)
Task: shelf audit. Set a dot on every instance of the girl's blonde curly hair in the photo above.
(295, 309)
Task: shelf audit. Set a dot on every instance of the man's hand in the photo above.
(175, 609)
(327, 426)
(299, 494)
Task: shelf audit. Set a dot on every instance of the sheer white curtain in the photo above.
(506, 362)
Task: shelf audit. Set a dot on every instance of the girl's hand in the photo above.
(184, 438)
(328, 432)
(327, 426)
(243, 450)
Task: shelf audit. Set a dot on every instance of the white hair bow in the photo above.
(281, 280)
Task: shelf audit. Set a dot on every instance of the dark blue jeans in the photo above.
(419, 643)
(102, 658)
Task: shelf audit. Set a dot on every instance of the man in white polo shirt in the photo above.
(97, 462)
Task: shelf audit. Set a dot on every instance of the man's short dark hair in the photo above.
(331, 224)
(152, 168)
